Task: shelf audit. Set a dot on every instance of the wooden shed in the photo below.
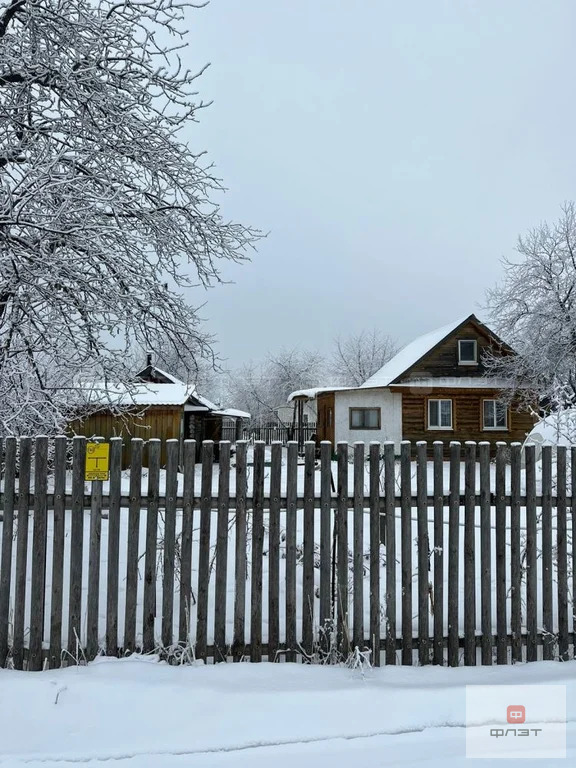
(155, 405)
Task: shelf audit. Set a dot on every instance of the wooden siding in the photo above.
(163, 422)
(443, 360)
(466, 417)
(326, 416)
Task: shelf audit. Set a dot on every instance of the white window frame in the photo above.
(440, 401)
(467, 362)
(494, 427)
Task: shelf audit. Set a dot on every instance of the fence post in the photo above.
(485, 553)
(169, 554)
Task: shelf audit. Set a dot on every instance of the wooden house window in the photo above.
(495, 415)
(467, 352)
(364, 418)
(439, 414)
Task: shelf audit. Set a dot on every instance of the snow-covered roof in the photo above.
(460, 382)
(233, 413)
(169, 376)
(140, 393)
(410, 355)
(312, 393)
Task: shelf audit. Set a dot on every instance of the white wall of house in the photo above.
(390, 405)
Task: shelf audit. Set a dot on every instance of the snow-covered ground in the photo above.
(141, 714)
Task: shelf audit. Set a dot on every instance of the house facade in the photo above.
(436, 388)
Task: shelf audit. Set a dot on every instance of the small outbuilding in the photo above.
(157, 404)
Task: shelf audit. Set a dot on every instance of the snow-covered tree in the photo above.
(260, 388)
(106, 214)
(359, 356)
(534, 309)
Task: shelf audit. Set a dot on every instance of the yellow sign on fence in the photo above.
(97, 461)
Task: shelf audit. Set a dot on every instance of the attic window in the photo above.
(467, 352)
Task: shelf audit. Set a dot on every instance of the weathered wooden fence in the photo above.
(283, 433)
(270, 556)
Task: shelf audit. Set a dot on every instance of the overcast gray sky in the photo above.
(393, 150)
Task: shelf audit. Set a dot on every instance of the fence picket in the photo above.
(137, 445)
(204, 554)
(548, 637)
(113, 565)
(562, 553)
(274, 551)
(375, 529)
(76, 547)
(257, 554)
(189, 454)
(7, 537)
(501, 612)
(58, 538)
(531, 557)
(240, 571)
(343, 629)
(515, 554)
(151, 546)
(406, 549)
(438, 552)
(326, 614)
(21, 551)
(94, 570)
(308, 551)
(220, 647)
(423, 554)
(470, 555)
(169, 552)
(390, 508)
(291, 498)
(38, 581)
(453, 555)
(358, 551)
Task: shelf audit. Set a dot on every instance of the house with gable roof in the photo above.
(435, 388)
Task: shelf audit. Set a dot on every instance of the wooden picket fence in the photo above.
(271, 556)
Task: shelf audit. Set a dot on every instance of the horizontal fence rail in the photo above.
(364, 551)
